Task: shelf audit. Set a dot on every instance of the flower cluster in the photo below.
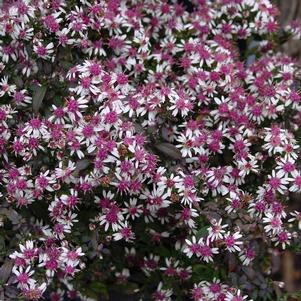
(215, 291)
(141, 144)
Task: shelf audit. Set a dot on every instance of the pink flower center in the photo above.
(23, 278)
(274, 182)
(276, 222)
(215, 288)
(230, 241)
(59, 112)
(19, 97)
(51, 264)
(41, 50)
(112, 216)
(122, 79)
(88, 131)
(43, 182)
(72, 255)
(111, 117)
(205, 251)
(298, 181)
(35, 123)
(283, 237)
(86, 82)
(72, 106)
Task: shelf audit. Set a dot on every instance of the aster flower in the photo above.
(282, 238)
(274, 223)
(35, 291)
(247, 256)
(23, 277)
(232, 242)
(44, 52)
(132, 209)
(216, 231)
(125, 233)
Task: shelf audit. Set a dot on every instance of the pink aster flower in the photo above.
(232, 242)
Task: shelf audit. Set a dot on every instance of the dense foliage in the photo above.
(146, 149)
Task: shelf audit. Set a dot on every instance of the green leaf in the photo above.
(37, 99)
(100, 289)
(169, 150)
(5, 270)
(2, 243)
(18, 81)
(202, 232)
(81, 165)
(11, 214)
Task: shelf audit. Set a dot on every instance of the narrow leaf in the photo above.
(169, 150)
(38, 97)
(5, 270)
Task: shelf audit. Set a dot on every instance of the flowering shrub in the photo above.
(146, 148)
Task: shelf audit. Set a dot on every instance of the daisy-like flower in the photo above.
(22, 32)
(277, 181)
(125, 233)
(21, 98)
(86, 85)
(205, 251)
(247, 166)
(198, 292)
(168, 182)
(132, 209)
(71, 200)
(155, 199)
(217, 179)
(69, 256)
(43, 52)
(186, 145)
(58, 115)
(215, 289)
(150, 263)
(181, 105)
(75, 106)
(35, 291)
(23, 276)
(27, 251)
(200, 248)
(187, 215)
(216, 231)
(275, 145)
(36, 128)
(170, 269)
(5, 87)
(286, 166)
(184, 273)
(274, 223)
(192, 247)
(64, 173)
(45, 181)
(247, 256)
(282, 238)
(64, 38)
(232, 242)
(112, 217)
